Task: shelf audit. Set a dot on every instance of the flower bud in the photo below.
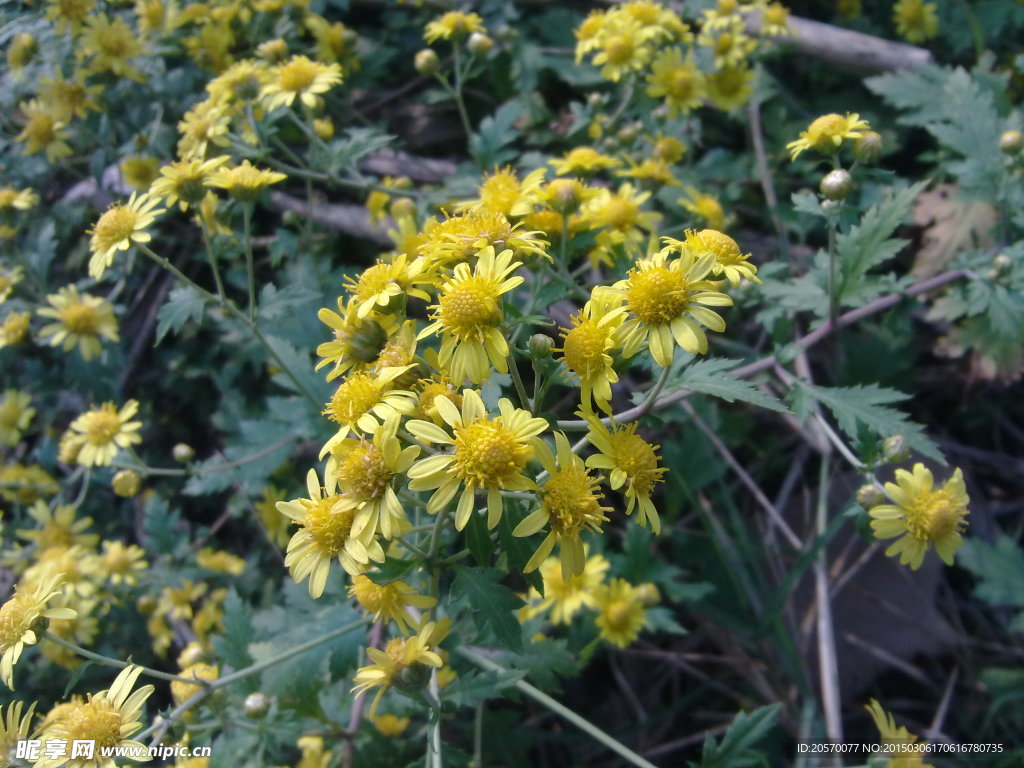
(426, 62)
(368, 341)
(272, 50)
(183, 453)
(867, 147)
(256, 705)
(627, 134)
(540, 346)
(595, 100)
(324, 128)
(22, 50)
(1011, 142)
(564, 197)
(146, 604)
(837, 184)
(479, 44)
(896, 449)
(828, 207)
(402, 207)
(869, 495)
(126, 483)
(1002, 262)
(648, 594)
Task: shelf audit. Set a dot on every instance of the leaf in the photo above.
(494, 604)
(807, 202)
(999, 569)
(736, 749)
(517, 548)
(470, 689)
(232, 645)
(868, 405)
(869, 243)
(274, 302)
(710, 377)
(951, 225)
(495, 132)
(478, 540)
(183, 304)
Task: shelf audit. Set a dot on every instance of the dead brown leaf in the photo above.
(950, 225)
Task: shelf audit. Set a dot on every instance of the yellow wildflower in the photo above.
(583, 161)
(16, 413)
(631, 462)
(621, 613)
(565, 597)
(916, 21)
(454, 26)
(185, 182)
(111, 43)
(81, 320)
(729, 260)
(299, 78)
(677, 80)
(731, 87)
(390, 602)
(826, 134)
(399, 655)
(44, 131)
(17, 618)
(244, 181)
(897, 741)
(587, 344)
(121, 225)
(103, 430)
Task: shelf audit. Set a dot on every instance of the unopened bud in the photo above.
(869, 496)
(367, 343)
(272, 50)
(896, 449)
(564, 195)
(183, 453)
(256, 705)
(402, 207)
(479, 44)
(146, 604)
(426, 62)
(541, 346)
(837, 184)
(323, 128)
(867, 147)
(1011, 142)
(649, 595)
(628, 134)
(828, 207)
(1002, 262)
(126, 483)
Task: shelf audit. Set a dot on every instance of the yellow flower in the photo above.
(922, 515)
(325, 533)
(390, 725)
(502, 192)
(384, 286)
(454, 26)
(827, 132)
(185, 182)
(583, 161)
(68, 99)
(139, 172)
(564, 597)
(81, 630)
(205, 124)
(68, 14)
(120, 226)
(313, 754)
(668, 149)
(621, 215)
(896, 740)
(586, 346)
(668, 301)
(81, 320)
(363, 401)
(182, 692)
(621, 613)
(705, 207)
(775, 21)
(730, 88)
(728, 43)
(14, 727)
(9, 277)
(175, 603)
(302, 78)
(22, 50)
(363, 470)
(357, 342)
(397, 663)
(390, 601)
(622, 50)
(25, 485)
(103, 430)
(16, 412)
(111, 43)
(154, 16)
(632, 462)
(17, 617)
(12, 199)
(569, 505)
(220, 561)
(107, 719)
(241, 82)
(721, 15)
(916, 21)
(460, 238)
(274, 525)
(14, 328)
(679, 81)
(244, 181)
(334, 42)
(729, 260)
(656, 172)
(58, 528)
(44, 131)
(122, 564)
(487, 454)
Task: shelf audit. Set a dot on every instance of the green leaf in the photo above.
(736, 749)
(710, 377)
(807, 202)
(488, 144)
(494, 604)
(470, 689)
(478, 539)
(184, 303)
(868, 405)
(869, 243)
(999, 569)
(232, 645)
(517, 548)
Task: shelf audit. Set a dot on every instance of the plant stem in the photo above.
(517, 380)
(559, 709)
(249, 267)
(182, 277)
(112, 662)
(827, 664)
(457, 91)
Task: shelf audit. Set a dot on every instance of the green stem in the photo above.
(457, 91)
(513, 369)
(652, 395)
(111, 662)
(213, 261)
(435, 535)
(832, 308)
(559, 709)
(182, 277)
(249, 267)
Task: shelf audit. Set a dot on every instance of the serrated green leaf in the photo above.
(710, 376)
(517, 548)
(183, 304)
(494, 604)
(232, 645)
(999, 568)
(487, 145)
(868, 405)
(470, 689)
(736, 750)
(807, 202)
(478, 539)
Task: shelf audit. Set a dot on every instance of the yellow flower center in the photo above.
(500, 192)
(363, 473)
(10, 413)
(328, 530)
(934, 514)
(7, 198)
(16, 618)
(822, 132)
(101, 425)
(395, 650)
(297, 75)
(487, 454)
(570, 500)
(646, 13)
(636, 457)
(470, 308)
(432, 389)
(377, 598)
(115, 226)
(584, 348)
(115, 42)
(617, 615)
(724, 44)
(118, 560)
(776, 15)
(94, 720)
(80, 318)
(354, 398)
(727, 7)
(657, 295)
(373, 281)
(681, 84)
(41, 129)
(619, 49)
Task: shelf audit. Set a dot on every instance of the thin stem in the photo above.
(457, 91)
(249, 267)
(832, 287)
(517, 380)
(478, 736)
(652, 394)
(112, 662)
(765, 175)
(182, 277)
(561, 710)
(827, 664)
(213, 260)
(435, 535)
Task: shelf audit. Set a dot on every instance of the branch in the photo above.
(342, 217)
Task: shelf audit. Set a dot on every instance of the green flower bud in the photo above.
(868, 147)
(256, 705)
(1011, 142)
(479, 44)
(183, 453)
(426, 62)
(869, 496)
(837, 184)
(126, 483)
(896, 449)
(541, 346)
